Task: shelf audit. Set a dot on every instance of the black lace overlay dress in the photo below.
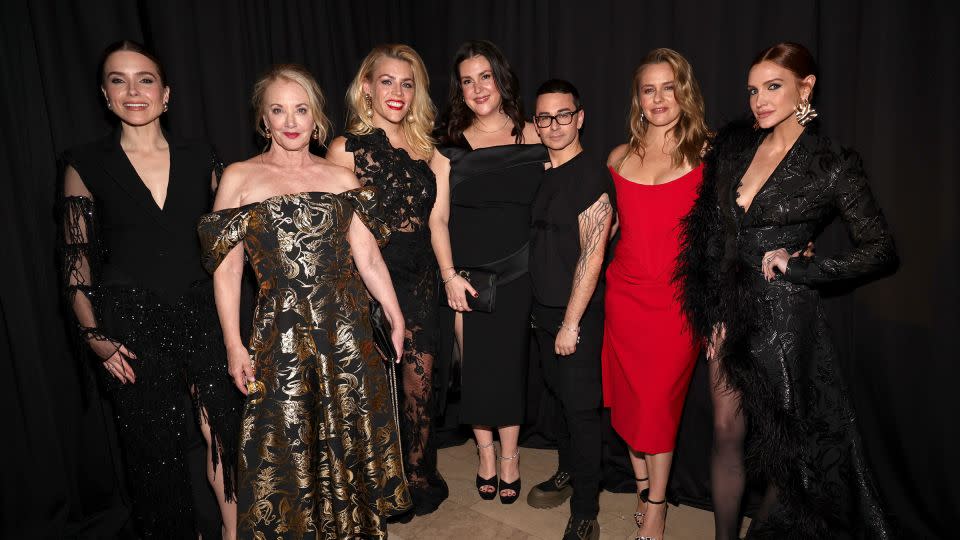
(778, 352)
(139, 267)
(408, 190)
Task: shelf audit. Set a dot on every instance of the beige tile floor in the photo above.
(465, 516)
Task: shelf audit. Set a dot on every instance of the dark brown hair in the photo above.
(132, 46)
(459, 116)
(789, 55)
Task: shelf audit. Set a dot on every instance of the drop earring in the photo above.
(266, 132)
(368, 102)
(805, 112)
(316, 133)
(165, 106)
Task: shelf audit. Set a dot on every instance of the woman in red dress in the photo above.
(648, 353)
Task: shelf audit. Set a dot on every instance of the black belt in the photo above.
(508, 268)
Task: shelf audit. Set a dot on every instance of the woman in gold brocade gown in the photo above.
(319, 450)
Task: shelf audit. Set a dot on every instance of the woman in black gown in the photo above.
(490, 167)
(141, 299)
(388, 145)
(769, 188)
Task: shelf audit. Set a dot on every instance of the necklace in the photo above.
(494, 131)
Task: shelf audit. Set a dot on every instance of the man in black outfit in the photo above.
(572, 216)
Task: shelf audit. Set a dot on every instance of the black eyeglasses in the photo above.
(563, 119)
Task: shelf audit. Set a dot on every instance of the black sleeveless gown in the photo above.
(491, 195)
(150, 293)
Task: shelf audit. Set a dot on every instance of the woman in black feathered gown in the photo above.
(768, 189)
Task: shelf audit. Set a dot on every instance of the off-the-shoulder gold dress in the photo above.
(319, 450)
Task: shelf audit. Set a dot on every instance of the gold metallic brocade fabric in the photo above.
(319, 451)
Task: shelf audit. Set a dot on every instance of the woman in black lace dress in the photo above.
(747, 289)
(388, 145)
(142, 302)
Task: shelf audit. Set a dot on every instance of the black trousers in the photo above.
(575, 381)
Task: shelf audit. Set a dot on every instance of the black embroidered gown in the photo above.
(139, 266)
(778, 352)
(408, 190)
(319, 450)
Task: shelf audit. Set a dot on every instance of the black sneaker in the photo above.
(552, 492)
(582, 529)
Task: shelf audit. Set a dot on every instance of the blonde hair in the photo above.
(297, 74)
(690, 131)
(418, 123)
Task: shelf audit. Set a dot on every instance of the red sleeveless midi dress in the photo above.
(648, 351)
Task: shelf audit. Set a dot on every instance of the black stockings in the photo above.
(727, 478)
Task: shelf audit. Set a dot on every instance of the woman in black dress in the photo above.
(141, 299)
(388, 145)
(490, 167)
(747, 289)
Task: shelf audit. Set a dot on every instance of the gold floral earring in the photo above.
(266, 131)
(804, 112)
(368, 102)
(316, 133)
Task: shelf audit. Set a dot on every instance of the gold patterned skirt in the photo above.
(320, 456)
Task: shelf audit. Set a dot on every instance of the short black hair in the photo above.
(560, 86)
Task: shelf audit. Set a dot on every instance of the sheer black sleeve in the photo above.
(81, 258)
(874, 252)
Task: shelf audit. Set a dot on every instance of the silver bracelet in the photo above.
(575, 330)
(444, 281)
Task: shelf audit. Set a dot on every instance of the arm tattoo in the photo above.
(593, 228)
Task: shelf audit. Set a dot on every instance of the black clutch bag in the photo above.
(484, 282)
(381, 333)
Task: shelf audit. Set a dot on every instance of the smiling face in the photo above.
(287, 114)
(657, 86)
(391, 88)
(478, 86)
(133, 88)
(775, 92)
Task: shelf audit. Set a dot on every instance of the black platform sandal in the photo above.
(486, 482)
(513, 486)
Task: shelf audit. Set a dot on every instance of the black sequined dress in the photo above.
(139, 266)
(778, 352)
(408, 190)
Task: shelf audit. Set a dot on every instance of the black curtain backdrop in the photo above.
(887, 87)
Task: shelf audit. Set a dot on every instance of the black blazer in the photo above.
(147, 247)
